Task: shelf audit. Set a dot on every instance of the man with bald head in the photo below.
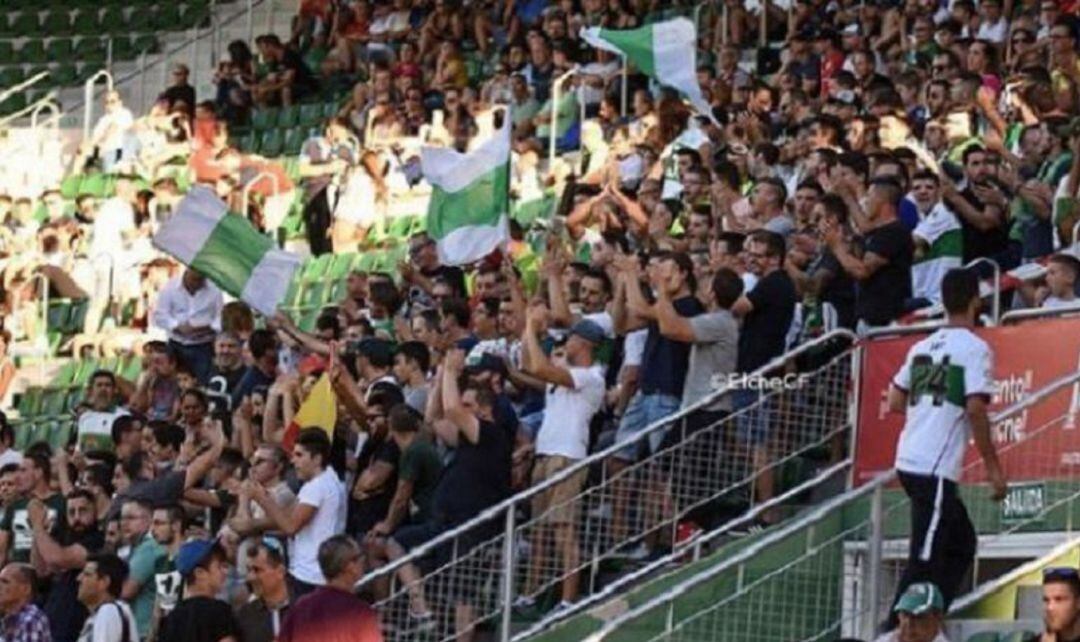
(22, 620)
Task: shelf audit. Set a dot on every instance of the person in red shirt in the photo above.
(333, 613)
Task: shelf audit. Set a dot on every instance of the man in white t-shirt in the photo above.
(575, 392)
(109, 131)
(944, 388)
(95, 424)
(319, 512)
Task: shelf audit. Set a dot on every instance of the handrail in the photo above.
(49, 97)
(583, 464)
(88, 97)
(612, 588)
(41, 105)
(988, 588)
(23, 85)
(1039, 313)
(816, 515)
(247, 189)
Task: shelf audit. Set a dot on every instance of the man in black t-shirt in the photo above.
(477, 478)
(983, 209)
(766, 312)
(64, 549)
(424, 268)
(200, 616)
(290, 79)
(883, 272)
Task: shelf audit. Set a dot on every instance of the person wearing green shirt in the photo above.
(16, 534)
(418, 471)
(145, 554)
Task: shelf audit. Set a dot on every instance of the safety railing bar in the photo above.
(815, 516)
(23, 85)
(679, 550)
(49, 97)
(496, 510)
(988, 588)
(1039, 313)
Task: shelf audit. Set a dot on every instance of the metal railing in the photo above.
(694, 474)
(826, 574)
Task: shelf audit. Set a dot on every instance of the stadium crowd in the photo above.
(838, 178)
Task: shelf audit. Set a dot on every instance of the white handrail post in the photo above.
(250, 21)
(142, 80)
(724, 22)
(553, 136)
(269, 16)
(508, 577)
(109, 53)
(872, 594)
(246, 191)
(88, 98)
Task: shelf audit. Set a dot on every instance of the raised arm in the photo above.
(455, 410)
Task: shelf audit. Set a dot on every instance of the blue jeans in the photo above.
(643, 411)
(753, 416)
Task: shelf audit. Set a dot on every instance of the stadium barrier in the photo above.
(831, 572)
(471, 575)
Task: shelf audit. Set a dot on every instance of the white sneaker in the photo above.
(524, 602)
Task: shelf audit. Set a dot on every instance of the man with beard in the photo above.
(167, 529)
(226, 372)
(61, 552)
(95, 424)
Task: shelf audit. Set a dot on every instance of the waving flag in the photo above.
(319, 410)
(468, 215)
(204, 236)
(665, 51)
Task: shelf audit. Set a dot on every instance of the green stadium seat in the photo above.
(65, 75)
(308, 318)
(400, 227)
(10, 76)
(59, 312)
(1017, 636)
(59, 49)
(337, 290)
(196, 16)
(23, 430)
(33, 52)
(291, 165)
(25, 24)
(53, 401)
(124, 48)
(248, 143)
(90, 49)
(61, 433)
(294, 141)
(7, 52)
(147, 43)
(264, 119)
(77, 320)
(113, 20)
(340, 266)
(314, 294)
(365, 262)
(288, 116)
(271, 143)
(30, 402)
(315, 268)
(57, 23)
(168, 16)
(330, 109)
(85, 22)
(73, 398)
(310, 115)
(985, 636)
(13, 103)
(131, 368)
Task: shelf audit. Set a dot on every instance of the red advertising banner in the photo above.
(1027, 357)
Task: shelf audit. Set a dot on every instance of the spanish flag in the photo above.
(319, 410)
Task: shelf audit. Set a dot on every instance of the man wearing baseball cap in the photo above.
(922, 615)
(200, 616)
(575, 393)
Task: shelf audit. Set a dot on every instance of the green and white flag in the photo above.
(468, 215)
(665, 51)
(940, 232)
(204, 236)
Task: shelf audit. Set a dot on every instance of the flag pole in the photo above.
(624, 85)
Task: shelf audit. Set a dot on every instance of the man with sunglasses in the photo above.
(1061, 605)
(267, 573)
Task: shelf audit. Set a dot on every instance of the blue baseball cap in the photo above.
(588, 330)
(192, 554)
